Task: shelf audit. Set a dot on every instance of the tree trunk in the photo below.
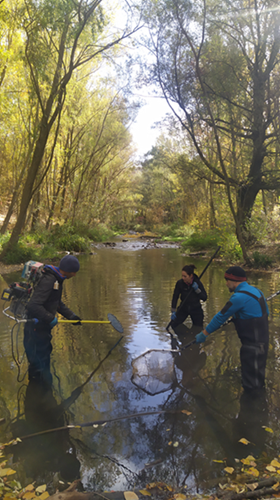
(28, 186)
(35, 211)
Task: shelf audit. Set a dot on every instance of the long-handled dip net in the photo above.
(154, 370)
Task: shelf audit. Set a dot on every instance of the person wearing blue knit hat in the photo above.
(248, 309)
(42, 308)
(70, 265)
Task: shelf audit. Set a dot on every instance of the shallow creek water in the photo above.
(136, 285)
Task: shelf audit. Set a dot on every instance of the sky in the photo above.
(142, 130)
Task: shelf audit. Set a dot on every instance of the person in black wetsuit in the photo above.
(191, 291)
(42, 308)
(249, 311)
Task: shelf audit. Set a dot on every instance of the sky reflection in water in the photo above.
(136, 286)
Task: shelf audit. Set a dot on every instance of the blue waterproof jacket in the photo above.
(249, 311)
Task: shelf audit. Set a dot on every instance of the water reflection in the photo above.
(137, 288)
(46, 453)
(249, 423)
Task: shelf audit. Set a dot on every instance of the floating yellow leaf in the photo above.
(6, 472)
(230, 470)
(29, 487)
(43, 496)
(218, 461)
(186, 412)
(167, 430)
(252, 486)
(267, 429)
(270, 468)
(28, 495)
(180, 496)
(275, 463)
(130, 495)
(245, 461)
(176, 444)
(151, 485)
(41, 489)
(222, 486)
(253, 471)
(244, 441)
(145, 492)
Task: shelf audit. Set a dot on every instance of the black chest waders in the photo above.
(254, 336)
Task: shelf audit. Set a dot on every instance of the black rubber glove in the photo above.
(75, 318)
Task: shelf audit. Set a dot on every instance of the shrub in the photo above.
(231, 250)
(256, 230)
(261, 260)
(174, 232)
(48, 253)
(20, 253)
(73, 242)
(4, 238)
(202, 241)
(100, 233)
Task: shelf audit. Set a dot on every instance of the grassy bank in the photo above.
(42, 245)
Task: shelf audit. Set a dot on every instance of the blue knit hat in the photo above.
(69, 264)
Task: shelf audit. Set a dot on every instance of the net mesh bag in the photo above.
(153, 372)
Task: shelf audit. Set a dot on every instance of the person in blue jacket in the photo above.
(45, 302)
(249, 311)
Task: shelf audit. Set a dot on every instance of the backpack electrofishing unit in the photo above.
(19, 293)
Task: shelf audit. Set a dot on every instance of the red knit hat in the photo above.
(235, 273)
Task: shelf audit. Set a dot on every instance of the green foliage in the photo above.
(73, 242)
(20, 253)
(48, 253)
(256, 229)
(4, 238)
(261, 260)
(100, 233)
(174, 232)
(202, 241)
(140, 228)
(208, 240)
(43, 245)
(66, 234)
(230, 247)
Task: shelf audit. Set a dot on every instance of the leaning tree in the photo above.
(217, 65)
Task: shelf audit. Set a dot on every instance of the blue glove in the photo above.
(195, 287)
(200, 337)
(35, 320)
(173, 316)
(53, 322)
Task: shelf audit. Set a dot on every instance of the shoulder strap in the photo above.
(260, 299)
